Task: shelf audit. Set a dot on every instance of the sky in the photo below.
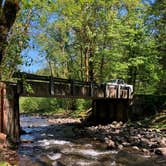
(37, 61)
(33, 52)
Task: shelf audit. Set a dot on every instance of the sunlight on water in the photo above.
(46, 142)
(26, 137)
(84, 163)
(87, 152)
(54, 156)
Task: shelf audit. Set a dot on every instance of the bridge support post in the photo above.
(108, 110)
(9, 111)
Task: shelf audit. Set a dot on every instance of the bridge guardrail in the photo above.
(69, 87)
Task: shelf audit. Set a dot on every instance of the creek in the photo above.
(63, 142)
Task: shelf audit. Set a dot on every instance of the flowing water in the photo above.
(47, 143)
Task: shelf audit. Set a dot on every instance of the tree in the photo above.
(8, 12)
(85, 23)
(157, 17)
(17, 41)
(138, 47)
(15, 33)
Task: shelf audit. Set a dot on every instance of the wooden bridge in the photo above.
(108, 103)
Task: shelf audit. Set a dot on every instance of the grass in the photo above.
(79, 113)
(157, 121)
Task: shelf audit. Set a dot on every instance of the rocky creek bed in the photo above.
(118, 136)
(67, 142)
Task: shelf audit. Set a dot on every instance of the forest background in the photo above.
(88, 40)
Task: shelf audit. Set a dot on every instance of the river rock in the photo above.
(114, 122)
(120, 147)
(161, 151)
(135, 148)
(129, 157)
(118, 125)
(163, 142)
(117, 131)
(125, 144)
(110, 143)
(119, 139)
(145, 151)
(154, 145)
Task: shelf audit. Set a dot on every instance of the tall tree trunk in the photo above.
(102, 62)
(82, 70)
(132, 73)
(102, 68)
(86, 62)
(8, 12)
(91, 66)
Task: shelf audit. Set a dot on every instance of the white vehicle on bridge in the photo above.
(118, 84)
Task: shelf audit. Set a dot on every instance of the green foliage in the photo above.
(19, 35)
(28, 105)
(158, 27)
(157, 121)
(82, 104)
(17, 41)
(53, 106)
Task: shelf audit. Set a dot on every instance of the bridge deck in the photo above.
(46, 86)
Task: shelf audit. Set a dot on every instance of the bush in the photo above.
(28, 105)
(52, 105)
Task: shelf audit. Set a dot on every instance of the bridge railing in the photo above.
(47, 86)
(59, 87)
